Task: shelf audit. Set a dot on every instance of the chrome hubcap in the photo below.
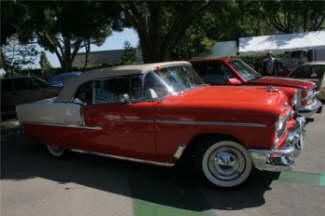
(55, 150)
(226, 163)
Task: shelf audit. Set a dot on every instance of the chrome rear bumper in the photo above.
(281, 159)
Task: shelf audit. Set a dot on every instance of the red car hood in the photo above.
(280, 81)
(239, 98)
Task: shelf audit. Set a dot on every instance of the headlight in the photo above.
(280, 123)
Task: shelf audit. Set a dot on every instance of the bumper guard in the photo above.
(281, 159)
(309, 110)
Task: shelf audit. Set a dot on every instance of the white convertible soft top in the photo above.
(73, 84)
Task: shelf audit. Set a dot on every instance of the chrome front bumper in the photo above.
(309, 110)
(281, 159)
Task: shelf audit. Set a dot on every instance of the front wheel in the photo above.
(224, 163)
(55, 151)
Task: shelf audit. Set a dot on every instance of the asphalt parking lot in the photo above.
(33, 183)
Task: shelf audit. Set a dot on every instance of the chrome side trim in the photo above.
(179, 152)
(66, 125)
(188, 122)
(136, 120)
(183, 122)
(218, 123)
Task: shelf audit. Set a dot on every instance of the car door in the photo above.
(127, 124)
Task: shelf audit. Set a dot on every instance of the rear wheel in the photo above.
(55, 151)
(224, 163)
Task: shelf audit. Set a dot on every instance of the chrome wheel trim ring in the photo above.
(54, 150)
(236, 158)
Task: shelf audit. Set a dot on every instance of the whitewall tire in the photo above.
(55, 151)
(224, 163)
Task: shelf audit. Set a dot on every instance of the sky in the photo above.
(113, 42)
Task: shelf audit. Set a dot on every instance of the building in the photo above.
(107, 57)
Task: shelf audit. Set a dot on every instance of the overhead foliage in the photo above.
(229, 20)
(17, 56)
(63, 27)
(294, 16)
(166, 29)
(161, 25)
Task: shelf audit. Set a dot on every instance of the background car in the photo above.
(60, 79)
(232, 71)
(312, 71)
(19, 90)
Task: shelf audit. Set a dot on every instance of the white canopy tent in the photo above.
(281, 43)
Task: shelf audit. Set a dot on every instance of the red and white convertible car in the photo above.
(157, 113)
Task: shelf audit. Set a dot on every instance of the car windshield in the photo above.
(172, 80)
(245, 70)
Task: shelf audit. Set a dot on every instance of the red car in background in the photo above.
(232, 71)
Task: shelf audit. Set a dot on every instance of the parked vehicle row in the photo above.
(158, 113)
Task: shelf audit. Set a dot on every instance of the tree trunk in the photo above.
(87, 48)
(157, 44)
(4, 61)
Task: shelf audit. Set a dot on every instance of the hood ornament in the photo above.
(271, 89)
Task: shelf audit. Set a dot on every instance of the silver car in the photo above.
(312, 71)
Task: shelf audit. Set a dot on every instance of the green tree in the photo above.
(294, 16)
(229, 20)
(17, 56)
(12, 16)
(161, 25)
(63, 27)
(129, 54)
(194, 43)
(44, 62)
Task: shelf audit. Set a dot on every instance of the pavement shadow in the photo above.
(175, 187)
